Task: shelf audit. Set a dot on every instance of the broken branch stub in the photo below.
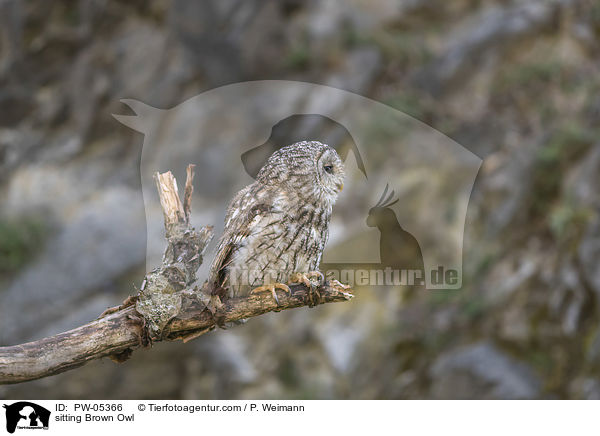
(160, 299)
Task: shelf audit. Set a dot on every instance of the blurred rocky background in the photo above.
(515, 82)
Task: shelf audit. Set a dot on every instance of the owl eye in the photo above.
(328, 169)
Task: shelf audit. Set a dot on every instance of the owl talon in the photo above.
(301, 278)
(271, 288)
(318, 274)
(304, 278)
(314, 297)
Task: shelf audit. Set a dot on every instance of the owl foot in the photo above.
(271, 288)
(314, 297)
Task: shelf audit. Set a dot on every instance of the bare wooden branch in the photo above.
(171, 305)
(189, 190)
(169, 198)
(121, 331)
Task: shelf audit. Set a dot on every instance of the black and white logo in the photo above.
(26, 415)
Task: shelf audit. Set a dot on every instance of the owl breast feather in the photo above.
(278, 244)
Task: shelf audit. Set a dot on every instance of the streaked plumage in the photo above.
(278, 225)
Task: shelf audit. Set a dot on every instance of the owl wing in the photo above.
(243, 215)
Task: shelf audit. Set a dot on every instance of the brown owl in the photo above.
(276, 228)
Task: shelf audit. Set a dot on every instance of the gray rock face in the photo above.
(488, 37)
(506, 75)
(589, 250)
(585, 389)
(101, 242)
(482, 371)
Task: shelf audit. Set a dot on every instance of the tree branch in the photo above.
(171, 305)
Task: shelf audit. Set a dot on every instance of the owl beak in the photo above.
(340, 186)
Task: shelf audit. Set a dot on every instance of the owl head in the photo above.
(310, 169)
